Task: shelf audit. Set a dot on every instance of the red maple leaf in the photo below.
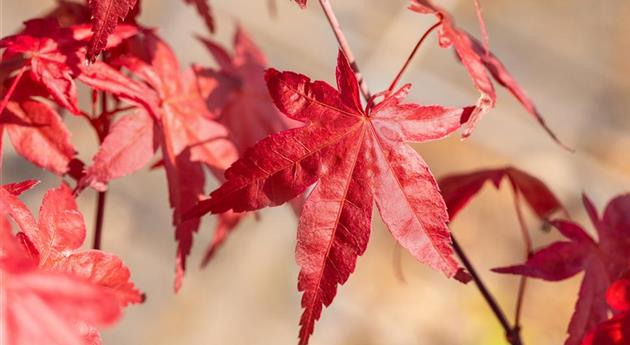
(36, 130)
(189, 138)
(601, 261)
(359, 157)
(459, 189)
(247, 99)
(105, 17)
(478, 61)
(616, 330)
(50, 52)
(71, 292)
(127, 148)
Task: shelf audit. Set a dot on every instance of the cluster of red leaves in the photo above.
(52, 293)
(177, 112)
(601, 261)
(605, 263)
(291, 133)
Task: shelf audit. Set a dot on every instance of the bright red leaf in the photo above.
(105, 17)
(359, 156)
(616, 330)
(601, 262)
(478, 61)
(70, 292)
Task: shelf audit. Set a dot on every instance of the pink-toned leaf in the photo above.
(38, 134)
(47, 308)
(101, 76)
(17, 210)
(248, 99)
(61, 225)
(188, 137)
(102, 269)
(130, 145)
(42, 307)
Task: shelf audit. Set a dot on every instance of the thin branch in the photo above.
(411, 55)
(343, 45)
(527, 240)
(102, 196)
(100, 216)
(512, 334)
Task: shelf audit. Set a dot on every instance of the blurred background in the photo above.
(572, 57)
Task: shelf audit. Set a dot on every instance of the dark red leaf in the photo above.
(459, 189)
(105, 17)
(601, 261)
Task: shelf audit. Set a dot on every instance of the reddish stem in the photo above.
(11, 90)
(102, 131)
(413, 53)
(527, 240)
(343, 45)
(512, 334)
(100, 216)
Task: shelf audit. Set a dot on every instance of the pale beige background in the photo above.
(571, 56)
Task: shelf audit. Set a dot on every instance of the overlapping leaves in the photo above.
(56, 294)
(357, 157)
(602, 262)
